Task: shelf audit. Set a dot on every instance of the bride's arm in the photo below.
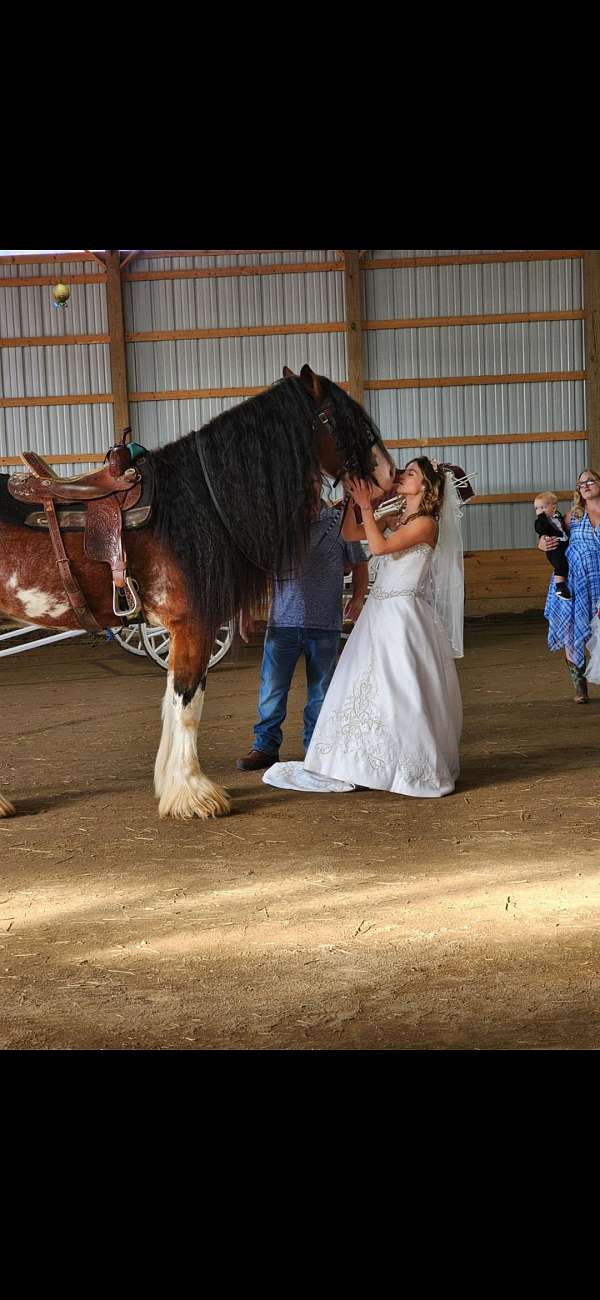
(354, 532)
(422, 529)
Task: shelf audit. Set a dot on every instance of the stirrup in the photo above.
(129, 594)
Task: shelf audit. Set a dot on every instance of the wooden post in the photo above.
(591, 303)
(354, 345)
(118, 354)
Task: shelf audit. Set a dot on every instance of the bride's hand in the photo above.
(362, 492)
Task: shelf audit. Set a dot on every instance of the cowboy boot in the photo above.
(577, 676)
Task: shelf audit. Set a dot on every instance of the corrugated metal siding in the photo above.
(516, 467)
(528, 348)
(471, 350)
(479, 409)
(55, 371)
(28, 312)
(224, 303)
(52, 430)
(486, 528)
(304, 298)
(479, 289)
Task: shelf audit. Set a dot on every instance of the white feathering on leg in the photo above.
(183, 789)
(164, 749)
(6, 808)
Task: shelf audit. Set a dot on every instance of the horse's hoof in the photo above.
(6, 808)
(198, 798)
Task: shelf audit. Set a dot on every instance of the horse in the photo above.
(231, 511)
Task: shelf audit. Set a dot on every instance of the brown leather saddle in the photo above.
(101, 504)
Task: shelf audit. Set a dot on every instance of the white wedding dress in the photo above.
(392, 717)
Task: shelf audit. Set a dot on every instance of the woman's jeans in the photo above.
(282, 650)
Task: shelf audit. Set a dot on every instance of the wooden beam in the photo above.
(496, 318)
(135, 252)
(29, 281)
(98, 457)
(67, 458)
(354, 345)
(264, 331)
(234, 272)
(184, 394)
(39, 259)
(73, 399)
(97, 258)
(208, 252)
(591, 298)
(118, 354)
(484, 440)
(474, 259)
(54, 341)
(235, 332)
(503, 498)
(458, 381)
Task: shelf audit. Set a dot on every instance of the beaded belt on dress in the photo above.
(380, 593)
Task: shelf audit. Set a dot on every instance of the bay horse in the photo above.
(232, 507)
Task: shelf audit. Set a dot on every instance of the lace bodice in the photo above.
(404, 573)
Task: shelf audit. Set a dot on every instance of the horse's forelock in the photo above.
(355, 431)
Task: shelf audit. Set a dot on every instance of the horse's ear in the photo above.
(287, 373)
(312, 382)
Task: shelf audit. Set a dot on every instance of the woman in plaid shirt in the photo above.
(570, 623)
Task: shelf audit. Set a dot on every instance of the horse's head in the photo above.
(347, 441)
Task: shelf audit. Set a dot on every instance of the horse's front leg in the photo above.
(180, 785)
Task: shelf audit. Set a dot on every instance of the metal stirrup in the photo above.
(132, 600)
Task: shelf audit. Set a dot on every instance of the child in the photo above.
(550, 523)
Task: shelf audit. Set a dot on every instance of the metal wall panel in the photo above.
(304, 298)
(397, 293)
(75, 369)
(226, 303)
(52, 430)
(552, 406)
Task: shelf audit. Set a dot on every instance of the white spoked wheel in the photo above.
(130, 638)
(156, 641)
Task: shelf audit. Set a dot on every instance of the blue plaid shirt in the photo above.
(314, 597)
(570, 621)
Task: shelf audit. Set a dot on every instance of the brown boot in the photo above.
(578, 679)
(255, 760)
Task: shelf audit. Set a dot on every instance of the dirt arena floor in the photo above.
(355, 921)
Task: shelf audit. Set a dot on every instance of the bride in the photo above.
(392, 717)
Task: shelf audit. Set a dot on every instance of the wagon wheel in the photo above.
(156, 642)
(130, 638)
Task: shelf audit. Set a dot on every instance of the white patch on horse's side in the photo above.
(12, 582)
(155, 598)
(180, 785)
(39, 604)
(152, 619)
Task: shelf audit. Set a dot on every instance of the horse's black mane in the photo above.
(251, 519)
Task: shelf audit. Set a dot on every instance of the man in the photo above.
(305, 619)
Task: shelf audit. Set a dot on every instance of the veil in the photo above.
(447, 568)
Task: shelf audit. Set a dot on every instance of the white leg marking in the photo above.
(180, 785)
(164, 749)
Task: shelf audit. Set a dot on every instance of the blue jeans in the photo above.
(282, 650)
